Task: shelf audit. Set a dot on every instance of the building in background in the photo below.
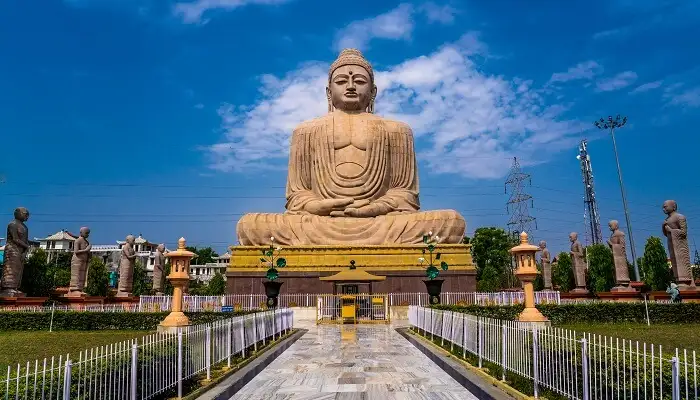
(204, 273)
(145, 251)
(60, 242)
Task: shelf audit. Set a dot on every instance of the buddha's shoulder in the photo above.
(311, 124)
(397, 126)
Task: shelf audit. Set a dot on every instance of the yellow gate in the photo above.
(352, 309)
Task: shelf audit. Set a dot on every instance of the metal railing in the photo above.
(573, 364)
(144, 368)
(355, 308)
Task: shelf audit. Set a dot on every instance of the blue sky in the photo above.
(171, 119)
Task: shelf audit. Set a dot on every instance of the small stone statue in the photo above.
(126, 268)
(159, 270)
(674, 292)
(578, 263)
(675, 228)
(546, 265)
(79, 263)
(619, 251)
(113, 279)
(16, 249)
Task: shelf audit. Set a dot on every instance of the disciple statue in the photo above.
(159, 270)
(79, 263)
(16, 249)
(546, 265)
(675, 228)
(619, 251)
(578, 263)
(126, 268)
(352, 176)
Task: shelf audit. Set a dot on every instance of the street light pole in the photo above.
(611, 124)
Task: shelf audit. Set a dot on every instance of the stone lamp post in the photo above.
(179, 277)
(524, 254)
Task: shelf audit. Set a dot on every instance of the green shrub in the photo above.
(656, 271)
(563, 273)
(98, 278)
(92, 321)
(600, 312)
(601, 268)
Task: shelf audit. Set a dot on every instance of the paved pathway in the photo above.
(352, 362)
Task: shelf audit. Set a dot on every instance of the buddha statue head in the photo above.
(351, 85)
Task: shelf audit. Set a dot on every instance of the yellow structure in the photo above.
(179, 277)
(524, 254)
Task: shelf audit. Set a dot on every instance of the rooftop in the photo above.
(60, 235)
(138, 240)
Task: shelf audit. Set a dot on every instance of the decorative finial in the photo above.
(181, 244)
(523, 238)
(272, 238)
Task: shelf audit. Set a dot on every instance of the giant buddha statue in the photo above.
(353, 177)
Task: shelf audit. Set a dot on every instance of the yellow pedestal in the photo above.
(335, 258)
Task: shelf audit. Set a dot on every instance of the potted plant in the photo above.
(272, 259)
(431, 258)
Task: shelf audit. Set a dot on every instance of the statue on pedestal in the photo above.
(546, 266)
(16, 249)
(79, 263)
(675, 228)
(159, 270)
(352, 177)
(126, 268)
(578, 263)
(619, 251)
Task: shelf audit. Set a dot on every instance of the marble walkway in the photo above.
(352, 362)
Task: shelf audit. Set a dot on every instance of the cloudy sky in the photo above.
(172, 119)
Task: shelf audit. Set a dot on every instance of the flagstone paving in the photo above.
(352, 362)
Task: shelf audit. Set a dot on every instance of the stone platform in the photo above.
(306, 264)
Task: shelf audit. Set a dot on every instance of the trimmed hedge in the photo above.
(600, 312)
(93, 321)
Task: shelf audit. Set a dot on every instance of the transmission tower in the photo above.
(519, 202)
(591, 216)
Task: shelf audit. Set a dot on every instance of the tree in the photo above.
(538, 283)
(655, 264)
(217, 285)
(491, 246)
(563, 273)
(203, 255)
(98, 278)
(142, 284)
(601, 268)
(37, 281)
(490, 280)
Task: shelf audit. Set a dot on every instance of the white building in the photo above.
(60, 242)
(204, 273)
(145, 251)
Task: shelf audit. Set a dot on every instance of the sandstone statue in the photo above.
(546, 265)
(16, 249)
(79, 263)
(675, 228)
(619, 251)
(159, 270)
(352, 176)
(126, 268)
(578, 263)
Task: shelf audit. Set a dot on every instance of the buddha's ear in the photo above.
(370, 107)
(330, 101)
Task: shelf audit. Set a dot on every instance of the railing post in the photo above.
(675, 380)
(480, 324)
(535, 348)
(229, 345)
(243, 337)
(134, 369)
(207, 352)
(179, 363)
(255, 333)
(584, 370)
(66, 380)
(504, 332)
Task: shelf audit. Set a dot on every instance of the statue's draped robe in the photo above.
(546, 269)
(158, 272)
(579, 265)
(78, 266)
(678, 247)
(126, 269)
(14, 255)
(617, 246)
(389, 179)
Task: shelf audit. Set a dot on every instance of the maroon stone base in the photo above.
(622, 295)
(575, 295)
(23, 301)
(691, 296)
(308, 282)
(79, 302)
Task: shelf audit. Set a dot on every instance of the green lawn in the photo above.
(683, 336)
(20, 347)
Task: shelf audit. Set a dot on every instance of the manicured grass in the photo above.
(670, 336)
(20, 347)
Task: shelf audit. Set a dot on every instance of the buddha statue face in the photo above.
(21, 214)
(669, 207)
(613, 225)
(85, 232)
(351, 89)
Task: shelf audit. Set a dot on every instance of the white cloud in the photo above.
(192, 12)
(586, 70)
(619, 81)
(397, 24)
(436, 13)
(687, 97)
(647, 87)
(467, 122)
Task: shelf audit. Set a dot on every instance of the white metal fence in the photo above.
(573, 364)
(153, 365)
